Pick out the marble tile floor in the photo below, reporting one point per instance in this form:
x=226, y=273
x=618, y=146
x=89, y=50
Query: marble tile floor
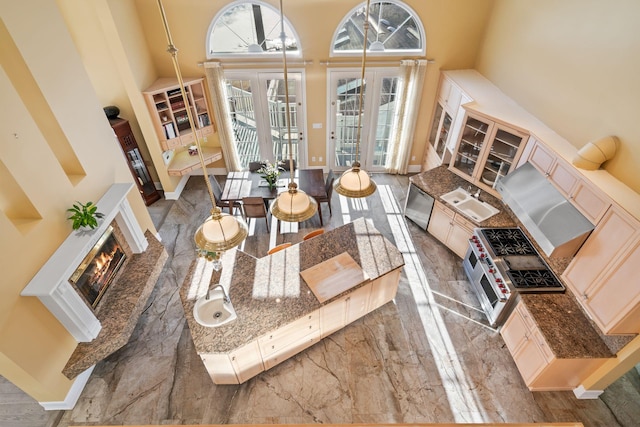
x=428, y=357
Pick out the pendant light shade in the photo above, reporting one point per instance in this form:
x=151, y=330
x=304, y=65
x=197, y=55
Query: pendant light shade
x=355, y=182
x=219, y=232
x=292, y=205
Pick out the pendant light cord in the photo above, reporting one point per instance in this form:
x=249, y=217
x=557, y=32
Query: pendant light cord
x=364, y=61
x=174, y=58
x=286, y=93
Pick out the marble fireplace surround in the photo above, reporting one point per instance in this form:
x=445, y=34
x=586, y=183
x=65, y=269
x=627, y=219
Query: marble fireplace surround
x=51, y=284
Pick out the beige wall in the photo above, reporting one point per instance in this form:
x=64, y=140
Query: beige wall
x=56, y=147
x=575, y=65
x=454, y=32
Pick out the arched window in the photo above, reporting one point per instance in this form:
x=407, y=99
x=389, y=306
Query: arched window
x=249, y=28
x=393, y=29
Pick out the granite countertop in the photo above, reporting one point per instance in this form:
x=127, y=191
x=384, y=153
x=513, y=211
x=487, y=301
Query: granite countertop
x=439, y=181
x=566, y=329
x=268, y=292
x=564, y=324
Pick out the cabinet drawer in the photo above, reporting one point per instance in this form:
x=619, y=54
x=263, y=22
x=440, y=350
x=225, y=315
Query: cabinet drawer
x=444, y=209
x=465, y=223
x=292, y=349
x=283, y=337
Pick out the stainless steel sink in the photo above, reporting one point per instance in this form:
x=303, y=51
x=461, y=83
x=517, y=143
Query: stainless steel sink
x=466, y=204
x=213, y=312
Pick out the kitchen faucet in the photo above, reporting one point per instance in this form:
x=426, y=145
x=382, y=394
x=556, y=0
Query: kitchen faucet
x=225, y=298
x=476, y=195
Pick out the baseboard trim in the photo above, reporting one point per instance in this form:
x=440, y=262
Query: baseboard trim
x=175, y=195
x=582, y=393
x=72, y=396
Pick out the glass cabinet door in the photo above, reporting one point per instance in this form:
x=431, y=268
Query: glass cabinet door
x=502, y=151
x=444, y=135
x=435, y=125
x=468, y=150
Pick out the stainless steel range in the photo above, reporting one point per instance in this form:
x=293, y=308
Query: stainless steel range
x=502, y=262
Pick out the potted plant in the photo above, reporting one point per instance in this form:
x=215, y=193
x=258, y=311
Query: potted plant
x=84, y=215
x=270, y=173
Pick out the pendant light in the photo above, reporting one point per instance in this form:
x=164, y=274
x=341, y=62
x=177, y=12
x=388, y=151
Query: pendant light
x=356, y=182
x=292, y=205
x=220, y=231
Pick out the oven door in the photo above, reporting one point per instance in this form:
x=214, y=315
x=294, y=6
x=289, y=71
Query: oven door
x=491, y=299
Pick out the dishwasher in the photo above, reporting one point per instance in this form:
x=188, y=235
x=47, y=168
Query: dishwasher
x=418, y=206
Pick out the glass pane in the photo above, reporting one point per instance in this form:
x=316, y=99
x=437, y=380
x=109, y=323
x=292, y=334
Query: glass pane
x=386, y=114
x=390, y=25
x=249, y=28
x=501, y=155
x=347, y=110
x=473, y=136
x=444, y=134
x=243, y=121
x=277, y=118
x=434, y=125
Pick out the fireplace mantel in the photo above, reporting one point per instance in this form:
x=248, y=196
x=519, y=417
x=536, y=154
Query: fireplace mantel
x=51, y=284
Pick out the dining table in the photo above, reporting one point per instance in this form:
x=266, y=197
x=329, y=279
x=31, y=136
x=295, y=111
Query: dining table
x=251, y=184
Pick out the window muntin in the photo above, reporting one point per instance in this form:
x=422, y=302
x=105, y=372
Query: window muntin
x=393, y=28
x=249, y=28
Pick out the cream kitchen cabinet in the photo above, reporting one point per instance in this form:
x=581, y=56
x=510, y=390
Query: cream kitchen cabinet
x=540, y=369
x=339, y=313
x=602, y=272
x=383, y=289
x=444, y=126
x=235, y=367
x=486, y=149
x=451, y=228
x=289, y=339
x=585, y=197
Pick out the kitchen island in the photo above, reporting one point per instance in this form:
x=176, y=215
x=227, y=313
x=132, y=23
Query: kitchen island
x=278, y=314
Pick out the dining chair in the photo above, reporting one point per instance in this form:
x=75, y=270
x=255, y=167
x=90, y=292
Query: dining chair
x=217, y=194
x=285, y=164
x=328, y=186
x=280, y=247
x=255, y=166
x=313, y=233
x=253, y=207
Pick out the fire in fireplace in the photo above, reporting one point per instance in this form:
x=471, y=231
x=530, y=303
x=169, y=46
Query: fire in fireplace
x=97, y=270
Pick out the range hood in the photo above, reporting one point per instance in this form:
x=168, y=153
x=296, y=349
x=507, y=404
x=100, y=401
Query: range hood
x=553, y=222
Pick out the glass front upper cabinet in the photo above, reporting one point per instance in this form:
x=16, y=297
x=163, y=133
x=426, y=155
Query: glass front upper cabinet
x=439, y=134
x=486, y=150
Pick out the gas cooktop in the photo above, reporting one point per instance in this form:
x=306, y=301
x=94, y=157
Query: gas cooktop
x=512, y=253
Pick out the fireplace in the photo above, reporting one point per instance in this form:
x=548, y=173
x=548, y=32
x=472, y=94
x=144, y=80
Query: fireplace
x=98, y=268
x=52, y=285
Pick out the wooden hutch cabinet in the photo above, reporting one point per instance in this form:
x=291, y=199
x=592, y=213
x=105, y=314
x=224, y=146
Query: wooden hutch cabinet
x=136, y=163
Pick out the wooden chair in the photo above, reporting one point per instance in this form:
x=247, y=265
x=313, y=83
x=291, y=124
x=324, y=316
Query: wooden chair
x=313, y=233
x=280, y=247
x=255, y=166
x=328, y=186
x=253, y=207
x=217, y=194
x=286, y=165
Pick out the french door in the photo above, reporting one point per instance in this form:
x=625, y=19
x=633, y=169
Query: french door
x=258, y=112
x=377, y=122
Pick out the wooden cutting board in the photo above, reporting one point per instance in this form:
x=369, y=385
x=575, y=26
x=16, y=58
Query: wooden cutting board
x=333, y=276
